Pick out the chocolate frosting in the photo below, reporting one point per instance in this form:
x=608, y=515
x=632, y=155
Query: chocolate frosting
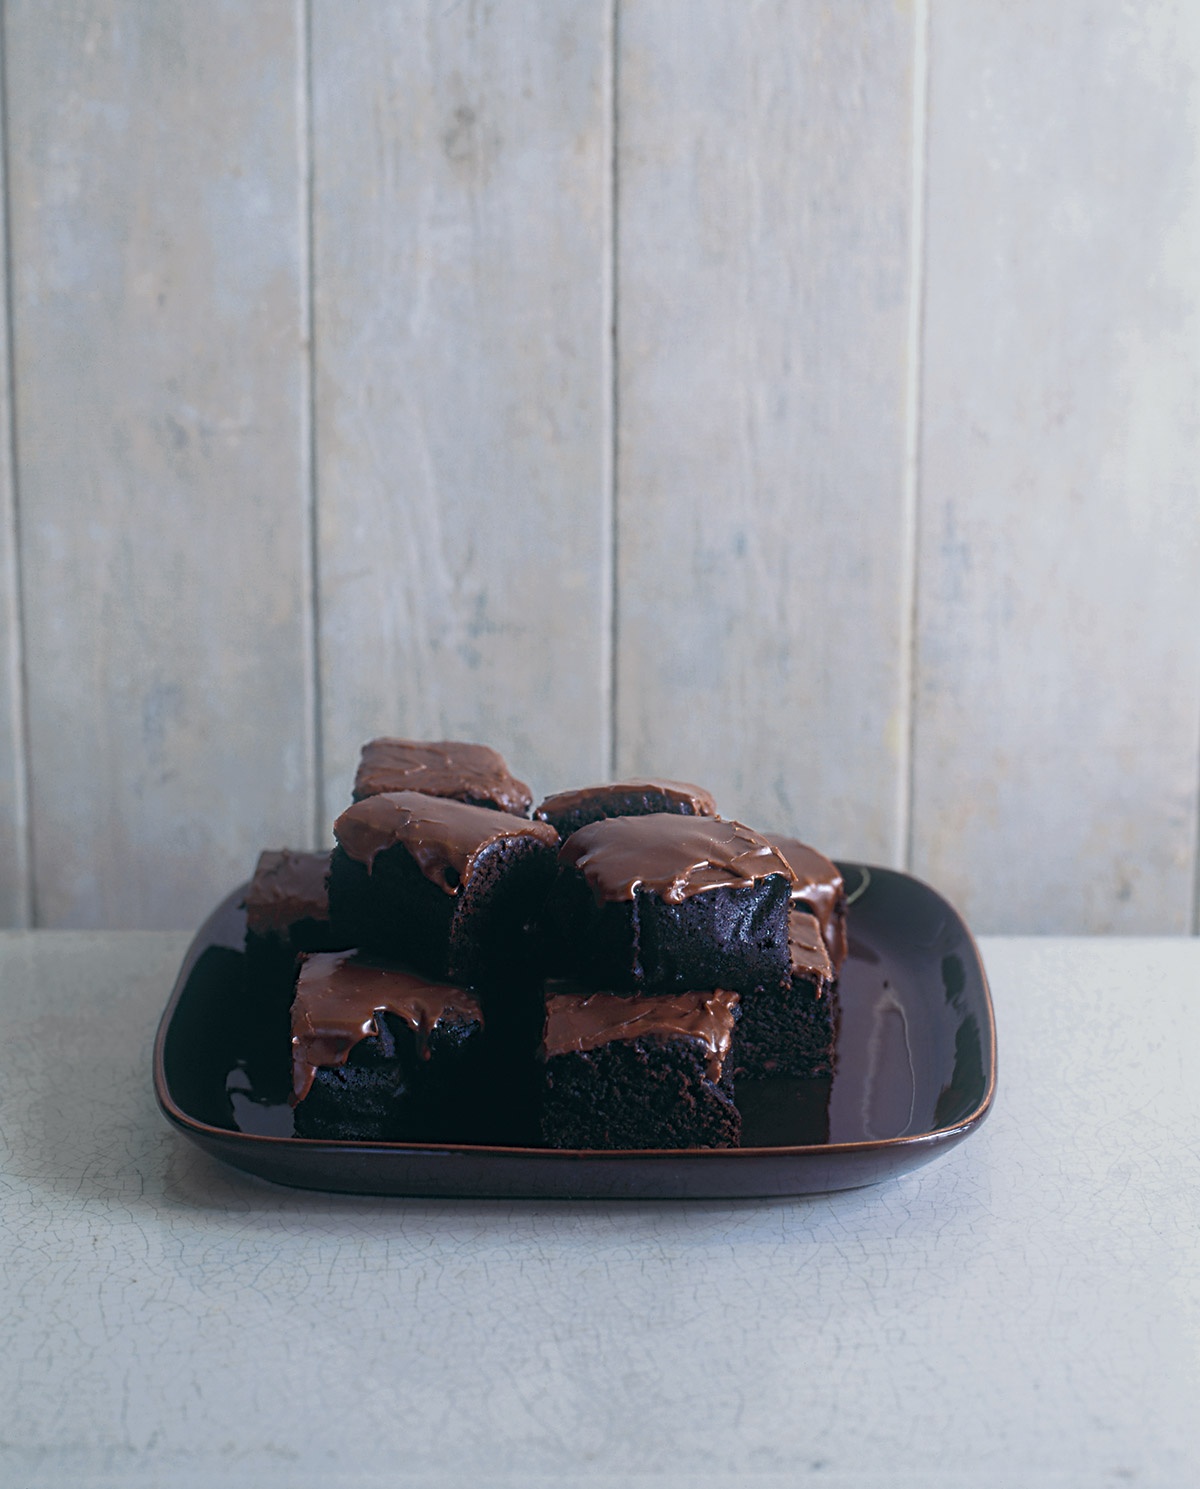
x=819, y=886
x=444, y=837
x=339, y=998
x=673, y=856
x=806, y=946
x=441, y=767
x=680, y=792
x=577, y=1022
x=286, y=887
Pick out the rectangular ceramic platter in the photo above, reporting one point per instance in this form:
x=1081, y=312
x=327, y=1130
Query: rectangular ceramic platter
x=914, y=1074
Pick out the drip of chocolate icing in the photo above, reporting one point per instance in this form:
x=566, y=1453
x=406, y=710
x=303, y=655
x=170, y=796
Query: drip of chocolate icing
x=672, y=856
x=819, y=886
x=806, y=946
x=444, y=837
x=578, y=1022
x=339, y=999
x=679, y=792
x=287, y=887
x=440, y=767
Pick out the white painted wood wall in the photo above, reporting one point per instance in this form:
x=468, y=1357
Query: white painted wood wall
x=802, y=399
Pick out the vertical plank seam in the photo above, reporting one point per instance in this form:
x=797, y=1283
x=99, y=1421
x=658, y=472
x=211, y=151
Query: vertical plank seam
x=612, y=310
x=911, y=500
x=316, y=751
x=17, y=654
x=1196, y=858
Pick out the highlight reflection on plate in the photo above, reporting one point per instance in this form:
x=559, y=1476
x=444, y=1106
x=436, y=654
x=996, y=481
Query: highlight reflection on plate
x=915, y=1074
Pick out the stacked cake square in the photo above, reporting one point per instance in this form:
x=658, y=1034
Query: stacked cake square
x=600, y=975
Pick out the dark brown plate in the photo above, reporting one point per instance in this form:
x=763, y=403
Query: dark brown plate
x=916, y=1072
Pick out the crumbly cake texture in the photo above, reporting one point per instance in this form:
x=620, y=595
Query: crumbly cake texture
x=287, y=912
x=819, y=889
x=791, y=1030
x=470, y=773
x=622, y=1072
x=666, y=904
x=445, y=886
x=382, y=1053
x=568, y=811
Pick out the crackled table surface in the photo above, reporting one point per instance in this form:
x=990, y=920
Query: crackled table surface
x=1024, y=1311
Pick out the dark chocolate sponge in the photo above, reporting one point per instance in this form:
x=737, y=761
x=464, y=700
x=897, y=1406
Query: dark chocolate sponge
x=444, y=767
x=443, y=885
x=668, y=904
x=568, y=811
x=638, y=1072
x=380, y=1053
x=791, y=1030
x=287, y=913
x=820, y=890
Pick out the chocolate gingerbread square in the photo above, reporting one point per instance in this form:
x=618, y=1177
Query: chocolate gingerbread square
x=568, y=811
x=447, y=887
x=472, y=773
x=792, y=1030
x=819, y=888
x=628, y=1072
x=382, y=1053
x=287, y=912
x=669, y=904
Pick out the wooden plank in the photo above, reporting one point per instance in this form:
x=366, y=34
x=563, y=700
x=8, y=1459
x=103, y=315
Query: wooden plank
x=15, y=886
x=763, y=288
x=462, y=196
x=1059, y=614
x=158, y=252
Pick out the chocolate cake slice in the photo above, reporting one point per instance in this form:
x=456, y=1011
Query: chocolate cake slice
x=381, y=1053
x=287, y=912
x=819, y=889
x=472, y=773
x=623, y=1072
x=791, y=1030
x=669, y=904
x=568, y=811
x=445, y=886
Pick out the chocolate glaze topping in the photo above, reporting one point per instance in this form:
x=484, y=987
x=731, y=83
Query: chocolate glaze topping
x=673, y=856
x=809, y=954
x=563, y=803
x=444, y=837
x=577, y=1022
x=442, y=767
x=339, y=998
x=287, y=887
x=819, y=886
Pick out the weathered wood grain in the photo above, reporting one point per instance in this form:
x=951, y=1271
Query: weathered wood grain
x=1059, y=582
x=762, y=282
x=15, y=886
x=156, y=181
x=462, y=198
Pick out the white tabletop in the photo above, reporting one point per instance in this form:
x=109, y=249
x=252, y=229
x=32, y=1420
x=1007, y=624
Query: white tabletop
x=1025, y=1311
